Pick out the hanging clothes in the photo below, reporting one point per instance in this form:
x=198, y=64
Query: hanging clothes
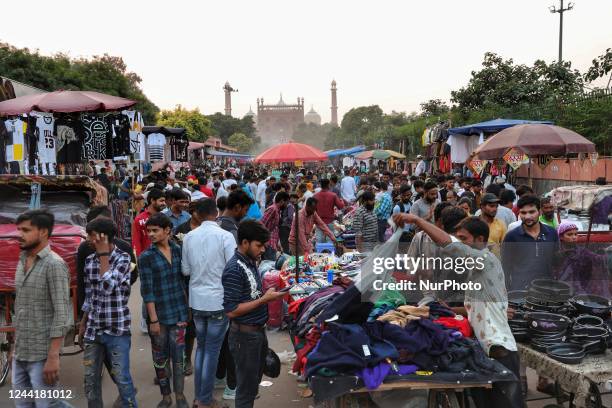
x=179, y=148
x=97, y=144
x=137, y=138
x=120, y=135
x=45, y=137
x=156, y=143
x=15, y=142
x=68, y=136
x=462, y=146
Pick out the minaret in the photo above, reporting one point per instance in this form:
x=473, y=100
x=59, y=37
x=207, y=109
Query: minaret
x=334, y=104
x=228, y=98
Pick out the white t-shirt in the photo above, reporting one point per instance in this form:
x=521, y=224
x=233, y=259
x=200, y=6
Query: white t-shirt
x=156, y=142
x=347, y=188
x=46, y=139
x=514, y=225
x=227, y=183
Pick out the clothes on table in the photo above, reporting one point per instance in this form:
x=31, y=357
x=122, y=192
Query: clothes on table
x=461, y=324
x=374, y=376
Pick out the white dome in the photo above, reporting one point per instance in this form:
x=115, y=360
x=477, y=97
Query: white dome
x=312, y=117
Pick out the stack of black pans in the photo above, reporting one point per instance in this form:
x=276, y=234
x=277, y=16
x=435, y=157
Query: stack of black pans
x=546, y=329
x=546, y=295
x=591, y=332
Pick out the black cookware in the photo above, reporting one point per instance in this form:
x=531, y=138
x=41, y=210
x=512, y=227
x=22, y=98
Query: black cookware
x=566, y=353
x=592, y=305
x=587, y=320
x=551, y=287
x=547, y=322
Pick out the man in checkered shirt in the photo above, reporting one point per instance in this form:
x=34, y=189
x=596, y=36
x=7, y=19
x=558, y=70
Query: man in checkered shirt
x=105, y=327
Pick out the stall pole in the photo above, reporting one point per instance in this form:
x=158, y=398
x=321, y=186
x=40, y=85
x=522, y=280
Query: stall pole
x=297, y=242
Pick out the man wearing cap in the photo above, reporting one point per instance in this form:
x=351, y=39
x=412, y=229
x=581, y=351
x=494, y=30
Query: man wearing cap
x=497, y=228
x=421, y=166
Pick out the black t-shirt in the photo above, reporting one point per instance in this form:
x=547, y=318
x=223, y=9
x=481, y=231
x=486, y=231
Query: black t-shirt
x=120, y=134
x=97, y=143
x=84, y=251
x=69, y=134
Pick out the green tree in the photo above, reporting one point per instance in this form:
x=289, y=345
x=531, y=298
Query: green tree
x=106, y=74
x=197, y=126
x=223, y=126
x=241, y=142
x=434, y=107
x=313, y=134
x=602, y=66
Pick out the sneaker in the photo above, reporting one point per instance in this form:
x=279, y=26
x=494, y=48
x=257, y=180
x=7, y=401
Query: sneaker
x=219, y=383
x=229, y=394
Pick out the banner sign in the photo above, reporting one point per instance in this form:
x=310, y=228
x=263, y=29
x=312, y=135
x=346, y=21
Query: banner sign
x=478, y=166
x=515, y=158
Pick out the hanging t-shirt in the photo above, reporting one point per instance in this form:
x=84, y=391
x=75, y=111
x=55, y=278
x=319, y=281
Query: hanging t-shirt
x=45, y=137
x=97, y=141
x=179, y=149
x=137, y=145
x=16, y=129
x=120, y=131
x=68, y=133
x=156, y=142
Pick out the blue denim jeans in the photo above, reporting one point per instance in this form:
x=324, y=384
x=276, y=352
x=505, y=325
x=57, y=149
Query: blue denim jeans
x=29, y=375
x=169, y=345
x=320, y=236
x=210, y=332
x=118, y=348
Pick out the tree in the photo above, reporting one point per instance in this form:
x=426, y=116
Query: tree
x=501, y=82
x=602, y=66
x=313, y=134
x=241, y=142
x=223, y=126
x=434, y=107
x=197, y=126
x=106, y=74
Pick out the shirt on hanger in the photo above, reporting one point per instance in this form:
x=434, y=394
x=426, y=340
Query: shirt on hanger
x=16, y=129
x=68, y=132
x=45, y=137
x=156, y=142
x=96, y=144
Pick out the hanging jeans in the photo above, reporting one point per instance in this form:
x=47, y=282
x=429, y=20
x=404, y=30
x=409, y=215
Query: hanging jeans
x=118, y=348
x=169, y=345
x=210, y=332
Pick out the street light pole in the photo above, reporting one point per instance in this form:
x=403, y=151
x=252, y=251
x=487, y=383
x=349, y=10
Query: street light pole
x=561, y=10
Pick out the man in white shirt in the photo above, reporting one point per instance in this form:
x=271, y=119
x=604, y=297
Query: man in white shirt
x=421, y=167
x=261, y=192
x=229, y=181
x=348, y=187
x=206, y=250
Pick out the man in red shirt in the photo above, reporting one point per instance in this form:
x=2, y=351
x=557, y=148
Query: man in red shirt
x=203, y=183
x=156, y=202
x=327, y=201
x=307, y=218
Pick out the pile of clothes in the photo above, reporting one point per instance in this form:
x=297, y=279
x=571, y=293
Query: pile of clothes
x=387, y=338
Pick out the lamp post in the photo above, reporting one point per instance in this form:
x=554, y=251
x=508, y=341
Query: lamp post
x=561, y=10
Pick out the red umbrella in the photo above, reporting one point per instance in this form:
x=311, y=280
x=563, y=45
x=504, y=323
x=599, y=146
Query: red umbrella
x=534, y=140
x=64, y=101
x=290, y=152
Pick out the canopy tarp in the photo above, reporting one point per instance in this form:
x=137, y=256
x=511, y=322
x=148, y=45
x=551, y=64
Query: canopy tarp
x=492, y=126
x=217, y=153
x=343, y=152
x=64, y=102
x=290, y=152
x=167, y=131
x=395, y=155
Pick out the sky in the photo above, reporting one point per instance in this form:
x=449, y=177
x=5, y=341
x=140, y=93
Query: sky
x=396, y=54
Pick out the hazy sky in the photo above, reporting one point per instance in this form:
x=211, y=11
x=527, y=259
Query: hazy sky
x=393, y=53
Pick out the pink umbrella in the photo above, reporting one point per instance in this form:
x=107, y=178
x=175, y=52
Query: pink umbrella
x=64, y=101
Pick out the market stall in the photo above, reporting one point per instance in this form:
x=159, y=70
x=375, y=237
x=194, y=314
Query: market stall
x=529, y=143
x=346, y=346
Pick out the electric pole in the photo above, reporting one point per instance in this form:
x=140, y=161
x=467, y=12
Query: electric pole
x=561, y=10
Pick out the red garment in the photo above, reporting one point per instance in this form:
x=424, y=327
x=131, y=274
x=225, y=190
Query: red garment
x=326, y=201
x=207, y=191
x=294, y=307
x=140, y=239
x=462, y=326
x=312, y=338
x=515, y=210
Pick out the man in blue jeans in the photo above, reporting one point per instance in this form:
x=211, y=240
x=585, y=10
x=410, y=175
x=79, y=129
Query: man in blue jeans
x=247, y=307
x=206, y=250
x=163, y=292
x=105, y=326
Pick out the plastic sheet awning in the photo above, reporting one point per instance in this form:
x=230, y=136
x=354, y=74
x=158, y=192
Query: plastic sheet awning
x=345, y=152
x=217, y=153
x=492, y=126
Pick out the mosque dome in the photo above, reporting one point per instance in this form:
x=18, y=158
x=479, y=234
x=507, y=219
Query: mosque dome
x=312, y=117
